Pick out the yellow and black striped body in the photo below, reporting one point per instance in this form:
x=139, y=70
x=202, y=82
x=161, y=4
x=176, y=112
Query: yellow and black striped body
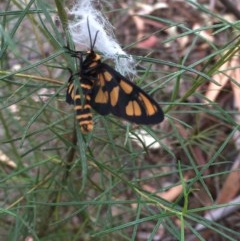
x=81, y=105
x=107, y=91
x=86, y=77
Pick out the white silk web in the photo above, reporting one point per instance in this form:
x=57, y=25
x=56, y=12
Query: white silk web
x=86, y=15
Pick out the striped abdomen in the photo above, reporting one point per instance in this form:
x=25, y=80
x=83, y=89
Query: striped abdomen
x=81, y=105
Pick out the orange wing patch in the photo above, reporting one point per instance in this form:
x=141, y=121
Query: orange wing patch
x=101, y=97
x=126, y=87
x=150, y=108
x=114, y=95
x=133, y=108
x=107, y=76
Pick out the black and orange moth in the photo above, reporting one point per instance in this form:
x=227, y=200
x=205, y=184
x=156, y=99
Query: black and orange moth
x=106, y=91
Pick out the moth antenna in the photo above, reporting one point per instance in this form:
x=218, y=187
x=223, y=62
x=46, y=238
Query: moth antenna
x=95, y=39
x=89, y=33
x=90, y=36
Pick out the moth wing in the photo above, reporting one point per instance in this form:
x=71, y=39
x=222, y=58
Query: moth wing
x=113, y=93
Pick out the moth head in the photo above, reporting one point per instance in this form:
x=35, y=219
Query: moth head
x=92, y=59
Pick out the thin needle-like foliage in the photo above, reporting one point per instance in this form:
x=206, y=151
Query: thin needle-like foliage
x=121, y=181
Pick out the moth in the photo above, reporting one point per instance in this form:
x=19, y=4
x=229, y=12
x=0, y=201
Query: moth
x=107, y=92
